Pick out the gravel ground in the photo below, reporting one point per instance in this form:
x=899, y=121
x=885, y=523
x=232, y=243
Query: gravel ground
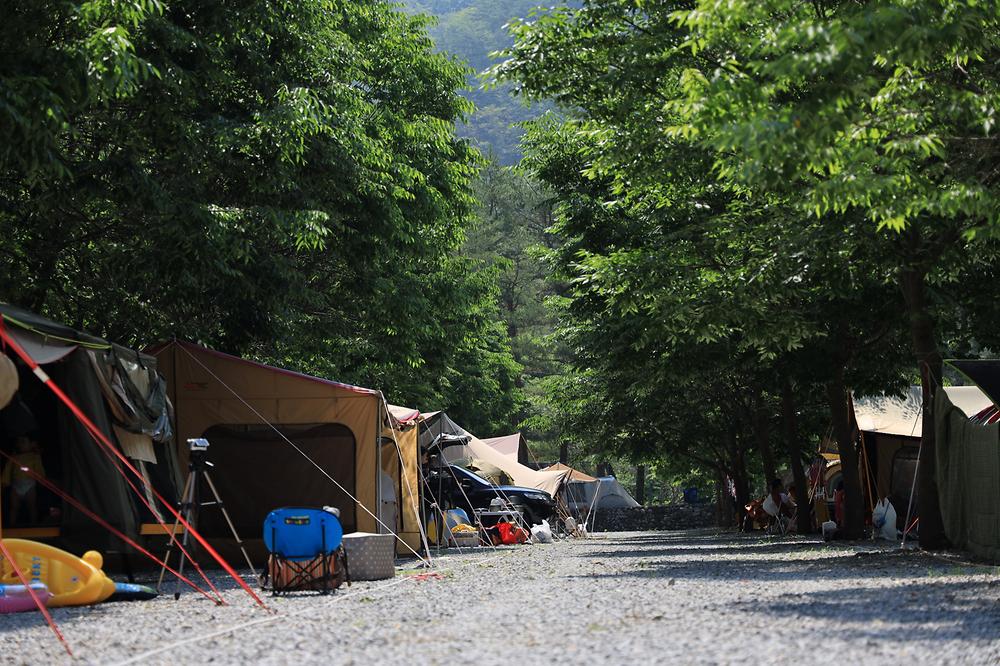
x=650, y=597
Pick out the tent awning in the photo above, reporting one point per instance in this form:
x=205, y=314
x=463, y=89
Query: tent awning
x=42, y=350
x=903, y=415
x=573, y=474
x=984, y=373
x=404, y=416
x=509, y=445
x=479, y=450
x=228, y=358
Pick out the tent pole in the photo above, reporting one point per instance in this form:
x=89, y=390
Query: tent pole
x=590, y=514
x=379, y=422
x=414, y=498
x=913, y=486
x=871, y=487
x=421, y=510
x=458, y=484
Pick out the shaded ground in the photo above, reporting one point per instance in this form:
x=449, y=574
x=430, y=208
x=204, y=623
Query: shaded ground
x=667, y=597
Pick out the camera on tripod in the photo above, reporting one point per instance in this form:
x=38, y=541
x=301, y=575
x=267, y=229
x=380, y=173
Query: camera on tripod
x=198, y=444
x=191, y=504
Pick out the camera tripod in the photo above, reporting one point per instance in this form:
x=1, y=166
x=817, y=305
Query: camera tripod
x=190, y=508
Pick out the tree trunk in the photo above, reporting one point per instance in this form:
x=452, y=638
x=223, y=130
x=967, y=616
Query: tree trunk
x=738, y=470
x=854, y=507
x=640, y=484
x=913, y=284
x=564, y=453
x=791, y=426
x=724, y=515
x=762, y=435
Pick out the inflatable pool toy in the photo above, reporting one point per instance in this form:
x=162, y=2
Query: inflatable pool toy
x=71, y=580
x=17, y=599
x=96, y=560
x=132, y=592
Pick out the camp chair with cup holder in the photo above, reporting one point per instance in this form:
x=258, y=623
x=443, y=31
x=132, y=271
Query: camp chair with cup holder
x=305, y=546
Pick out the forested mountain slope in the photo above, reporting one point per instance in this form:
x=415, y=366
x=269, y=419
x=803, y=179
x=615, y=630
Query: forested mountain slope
x=471, y=30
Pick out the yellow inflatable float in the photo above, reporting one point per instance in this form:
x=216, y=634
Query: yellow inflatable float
x=72, y=580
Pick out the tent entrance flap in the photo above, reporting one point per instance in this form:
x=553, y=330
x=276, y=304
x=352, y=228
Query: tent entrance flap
x=254, y=464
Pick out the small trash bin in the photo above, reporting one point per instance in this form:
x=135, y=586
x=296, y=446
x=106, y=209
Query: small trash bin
x=370, y=556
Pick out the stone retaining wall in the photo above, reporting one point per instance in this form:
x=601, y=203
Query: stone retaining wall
x=673, y=517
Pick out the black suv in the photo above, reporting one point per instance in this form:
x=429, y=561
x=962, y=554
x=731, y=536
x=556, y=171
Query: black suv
x=536, y=505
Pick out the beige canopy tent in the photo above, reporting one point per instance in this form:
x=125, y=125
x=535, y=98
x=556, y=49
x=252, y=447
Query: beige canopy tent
x=248, y=410
x=573, y=474
x=902, y=416
x=512, y=446
x=483, y=454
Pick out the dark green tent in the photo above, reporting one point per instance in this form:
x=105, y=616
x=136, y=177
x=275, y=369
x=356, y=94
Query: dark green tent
x=120, y=390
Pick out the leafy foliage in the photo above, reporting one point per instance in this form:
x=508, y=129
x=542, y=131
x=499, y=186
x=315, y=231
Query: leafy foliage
x=717, y=181
x=278, y=179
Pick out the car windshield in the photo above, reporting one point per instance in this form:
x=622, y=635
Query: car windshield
x=461, y=472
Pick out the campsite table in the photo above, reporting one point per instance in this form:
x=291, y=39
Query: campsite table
x=488, y=519
x=491, y=518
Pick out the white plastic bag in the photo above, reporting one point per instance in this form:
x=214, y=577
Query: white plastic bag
x=542, y=533
x=884, y=520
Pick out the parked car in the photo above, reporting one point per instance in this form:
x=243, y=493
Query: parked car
x=536, y=505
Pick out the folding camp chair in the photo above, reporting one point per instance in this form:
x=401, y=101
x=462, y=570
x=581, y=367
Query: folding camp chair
x=778, y=523
x=306, y=550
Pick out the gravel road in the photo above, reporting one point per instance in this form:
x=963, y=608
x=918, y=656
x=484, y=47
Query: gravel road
x=650, y=597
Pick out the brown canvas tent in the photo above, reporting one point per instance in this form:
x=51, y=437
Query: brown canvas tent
x=344, y=442
x=890, y=428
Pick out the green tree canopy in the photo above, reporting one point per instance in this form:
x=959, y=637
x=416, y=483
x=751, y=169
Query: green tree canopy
x=277, y=179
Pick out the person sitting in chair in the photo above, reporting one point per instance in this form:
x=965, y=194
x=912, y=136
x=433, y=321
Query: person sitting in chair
x=22, y=484
x=778, y=503
x=782, y=499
